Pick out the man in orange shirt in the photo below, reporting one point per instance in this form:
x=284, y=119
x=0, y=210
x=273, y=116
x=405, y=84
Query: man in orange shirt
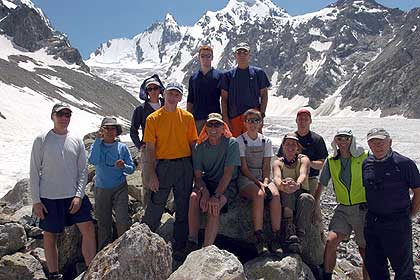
x=169, y=135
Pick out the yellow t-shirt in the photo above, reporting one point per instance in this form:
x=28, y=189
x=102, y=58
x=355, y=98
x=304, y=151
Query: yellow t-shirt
x=172, y=133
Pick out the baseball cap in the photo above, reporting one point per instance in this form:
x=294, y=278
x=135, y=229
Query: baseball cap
x=60, y=106
x=344, y=131
x=215, y=117
x=242, y=46
x=290, y=135
x=377, y=133
x=152, y=81
x=303, y=111
x=176, y=86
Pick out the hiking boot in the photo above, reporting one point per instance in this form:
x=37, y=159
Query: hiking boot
x=291, y=238
x=275, y=245
x=261, y=244
x=55, y=276
x=190, y=247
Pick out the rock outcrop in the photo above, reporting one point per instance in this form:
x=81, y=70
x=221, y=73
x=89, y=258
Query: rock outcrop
x=12, y=238
x=21, y=266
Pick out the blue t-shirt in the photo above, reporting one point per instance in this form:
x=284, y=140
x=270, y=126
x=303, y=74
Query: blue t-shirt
x=204, y=93
x=104, y=156
x=388, y=182
x=243, y=86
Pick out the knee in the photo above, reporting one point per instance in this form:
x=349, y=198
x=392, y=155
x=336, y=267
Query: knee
x=332, y=239
x=194, y=199
x=259, y=195
x=50, y=236
x=287, y=212
x=306, y=200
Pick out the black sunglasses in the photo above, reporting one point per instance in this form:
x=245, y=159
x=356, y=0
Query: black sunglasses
x=242, y=52
x=63, y=114
x=214, y=124
x=343, y=138
x=255, y=121
x=150, y=89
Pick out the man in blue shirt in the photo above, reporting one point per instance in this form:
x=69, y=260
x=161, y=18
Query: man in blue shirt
x=204, y=89
x=244, y=87
x=388, y=177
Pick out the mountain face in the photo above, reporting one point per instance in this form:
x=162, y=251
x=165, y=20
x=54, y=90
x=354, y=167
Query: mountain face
x=334, y=58
x=35, y=58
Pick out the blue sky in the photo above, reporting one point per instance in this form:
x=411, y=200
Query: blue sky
x=88, y=23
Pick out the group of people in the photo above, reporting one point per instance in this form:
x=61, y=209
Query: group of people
x=214, y=151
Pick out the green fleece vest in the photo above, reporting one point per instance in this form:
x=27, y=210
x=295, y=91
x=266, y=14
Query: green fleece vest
x=356, y=193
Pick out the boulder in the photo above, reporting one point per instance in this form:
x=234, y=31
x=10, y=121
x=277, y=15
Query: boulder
x=69, y=245
x=289, y=268
x=39, y=254
x=17, y=197
x=210, y=263
x=12, y=238
x=237, y=225
x=21, y=266
x=137, y=254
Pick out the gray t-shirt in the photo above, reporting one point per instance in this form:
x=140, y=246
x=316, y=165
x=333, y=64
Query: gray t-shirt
x=212, y=159
x=58, y=167
x=345, y=174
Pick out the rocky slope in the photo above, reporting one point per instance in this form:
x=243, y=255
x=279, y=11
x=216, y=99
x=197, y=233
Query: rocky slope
x=337, y=57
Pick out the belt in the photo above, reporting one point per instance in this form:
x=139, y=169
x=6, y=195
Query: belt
x=387, y=217
x=173, y=159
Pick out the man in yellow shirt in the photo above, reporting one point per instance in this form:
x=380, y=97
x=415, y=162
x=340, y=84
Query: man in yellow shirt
x=169, y=135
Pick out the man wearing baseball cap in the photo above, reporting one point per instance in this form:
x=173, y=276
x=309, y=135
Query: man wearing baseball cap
x=170, y=135
x=244, y=87
x=58, y=175
x=388, y=177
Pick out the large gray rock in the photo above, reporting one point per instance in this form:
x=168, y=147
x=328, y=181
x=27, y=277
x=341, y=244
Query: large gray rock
x=237, y=225
x=137, y=254
x=69, y=245
x=210, y=263
x=271, y=268
x=12, y=238
x=17, y=197
x=21, y=266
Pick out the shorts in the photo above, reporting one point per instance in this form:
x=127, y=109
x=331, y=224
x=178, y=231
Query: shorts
x=59, y=217
x=244, y=181
x=230, y=192
x=348, y=218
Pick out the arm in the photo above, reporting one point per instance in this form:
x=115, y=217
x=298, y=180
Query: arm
x=200, y=186
x=128, y=166
x=304, y=170
x=264, y=100
x=82, y=165
x=150, y=166
x=95, y=152
x=317, y=164
x=35, y=169
x=135, y=126
x=277, y=176
x=224, y=107
x=266, y=170
x=415, y=202
x=190, y=107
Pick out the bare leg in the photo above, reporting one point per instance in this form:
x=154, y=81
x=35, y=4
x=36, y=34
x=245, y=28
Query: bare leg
x=255, y=194
x=51, y=251
x=275, y=208
x=194, y=215
x=212, y=227
x=88, y=241
x=330, y=253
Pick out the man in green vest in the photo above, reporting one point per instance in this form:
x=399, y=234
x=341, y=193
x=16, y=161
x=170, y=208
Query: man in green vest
x=344, y=169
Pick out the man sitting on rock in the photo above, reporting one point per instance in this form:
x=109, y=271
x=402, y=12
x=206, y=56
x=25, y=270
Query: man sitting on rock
x=58, y=175
x=344, y=169
x=215, y=161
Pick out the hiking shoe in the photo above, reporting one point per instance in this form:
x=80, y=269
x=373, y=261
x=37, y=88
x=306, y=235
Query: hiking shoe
x=275, y=245
x=55, y=276
x=291, y=238
x=261, y=244
x=190, y=247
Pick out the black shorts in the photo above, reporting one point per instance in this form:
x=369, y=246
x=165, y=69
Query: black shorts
x=59, y=217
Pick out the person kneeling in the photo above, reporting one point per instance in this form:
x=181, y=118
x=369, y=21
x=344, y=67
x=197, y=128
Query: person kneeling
x=254, y=183
x=215, y=162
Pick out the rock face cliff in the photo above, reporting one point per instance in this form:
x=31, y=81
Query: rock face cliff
x=354, y=53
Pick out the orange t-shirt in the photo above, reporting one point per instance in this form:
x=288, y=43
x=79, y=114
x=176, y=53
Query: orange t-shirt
x=172, y=133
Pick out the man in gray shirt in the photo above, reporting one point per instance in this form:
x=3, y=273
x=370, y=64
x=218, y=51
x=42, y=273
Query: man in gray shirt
x=58, y=175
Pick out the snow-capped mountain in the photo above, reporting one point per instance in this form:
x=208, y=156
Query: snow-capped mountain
x=313, y=59
x=38, y=68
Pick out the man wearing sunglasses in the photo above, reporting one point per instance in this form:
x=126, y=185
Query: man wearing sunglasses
x=58, y=175
x=244, y=87
x=388, y=177
x=170, y=135
x=344, y=169
x=204, y=88
x=216, y=161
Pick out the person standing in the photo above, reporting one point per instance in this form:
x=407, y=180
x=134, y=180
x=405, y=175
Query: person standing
x=344, y=169
x=58, y=175
x=388, y=178
x=216, y=161
x=254, y=181
x=244, y=87
x=150, y=92
x=170, y=135
x=112, y=162
x=204, y=89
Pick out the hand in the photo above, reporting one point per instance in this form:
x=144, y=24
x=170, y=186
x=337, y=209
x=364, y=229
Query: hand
x=293, y=186
x=120, y=164
x=214, y=206
x=75, y=205
x=227, y=122
x=204, y=201
x=39, y=210
x=100, y=133
x=153, y=182
x=262, y=186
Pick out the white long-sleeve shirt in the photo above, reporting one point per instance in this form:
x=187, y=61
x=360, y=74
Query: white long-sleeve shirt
x=58, y=167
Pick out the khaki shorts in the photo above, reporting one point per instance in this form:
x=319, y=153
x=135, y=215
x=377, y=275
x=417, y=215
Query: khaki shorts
x=244, y=181
x=348, y=218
